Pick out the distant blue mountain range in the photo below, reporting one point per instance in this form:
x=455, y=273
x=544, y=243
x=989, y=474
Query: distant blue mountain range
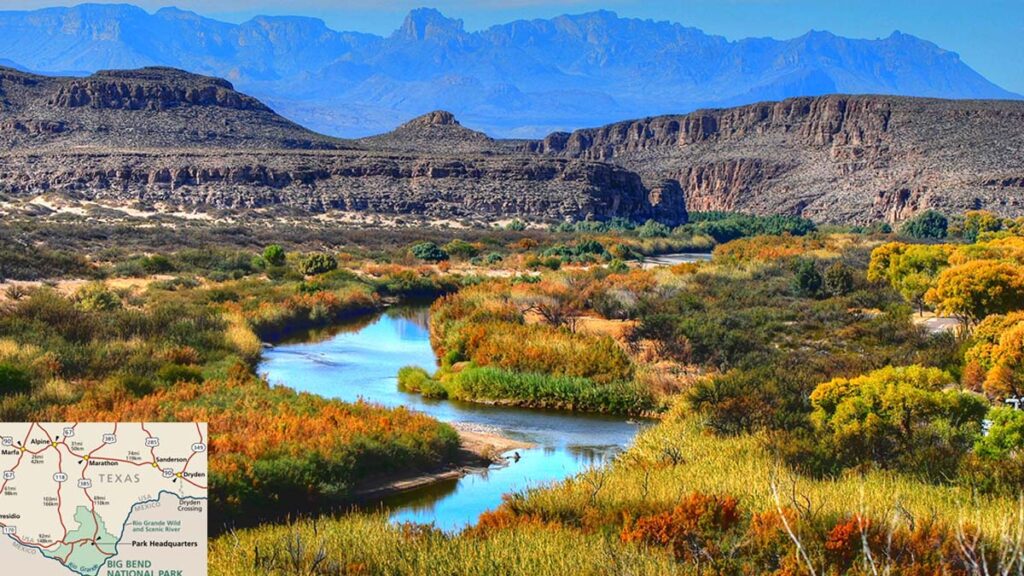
x=524, y=78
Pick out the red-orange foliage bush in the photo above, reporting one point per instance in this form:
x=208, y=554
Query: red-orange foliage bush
x=766, y=248
x=503, y=518
x=694, y=528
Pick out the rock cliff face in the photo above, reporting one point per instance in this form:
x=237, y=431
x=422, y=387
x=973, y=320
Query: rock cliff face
x=139, y=109
x=151, y=89
x=161, y=136
x=325, y=181
x=832, y=158
x=164, y=136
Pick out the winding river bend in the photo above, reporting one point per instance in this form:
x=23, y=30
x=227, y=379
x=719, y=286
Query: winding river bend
x=361, y=359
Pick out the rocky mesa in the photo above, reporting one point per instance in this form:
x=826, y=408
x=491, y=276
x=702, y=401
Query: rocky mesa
x=833, y=158
x=163, y=137
x=159, y=136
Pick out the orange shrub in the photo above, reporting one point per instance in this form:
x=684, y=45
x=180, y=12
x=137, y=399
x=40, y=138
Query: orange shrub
x=766, y=248
x=692, y=529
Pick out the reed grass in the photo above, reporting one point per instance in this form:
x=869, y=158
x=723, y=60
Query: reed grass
x=368, y=544
x=678, y=457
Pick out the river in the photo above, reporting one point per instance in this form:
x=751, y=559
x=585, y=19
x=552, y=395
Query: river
x=673, y=259
x=361, y=360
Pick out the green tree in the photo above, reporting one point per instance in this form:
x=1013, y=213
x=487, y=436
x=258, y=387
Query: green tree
x=808, y=280
x=838, y=279
x=911, y=269
x=1005, y=436
x=429, y=252
x=653, y=229
x=516, y=225
x=905, y=418
x=317, y=263
x=926, y=225
x=274, y=255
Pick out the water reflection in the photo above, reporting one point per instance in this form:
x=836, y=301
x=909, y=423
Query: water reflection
x=360, y=360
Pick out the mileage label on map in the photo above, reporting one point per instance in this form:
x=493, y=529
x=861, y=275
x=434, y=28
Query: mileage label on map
x=110, y=499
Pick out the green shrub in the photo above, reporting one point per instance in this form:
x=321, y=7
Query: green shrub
x=317, y=263
x=175, y=373
x=19, y=261
x=928, y=225
x=14, y=380
x=157, y=264
x=589, y=247
x=97, y=297
x=545, y=391
x=551, y=263
x=1005, y=436
x=429, y=252
x=460, y=249
x=15, y=408
x=808, y=280
x=274, y=255
x=653, y=229
x=138, y=386
x=130, y=269
x=417, y=380
x=617, y=266
x=413, y=379
x=837, y=280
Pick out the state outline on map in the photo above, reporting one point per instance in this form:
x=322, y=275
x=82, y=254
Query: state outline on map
x=109, y=459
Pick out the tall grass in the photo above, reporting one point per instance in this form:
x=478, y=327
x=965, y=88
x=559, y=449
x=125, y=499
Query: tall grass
x=360, y=544
x=537, y=390
x=241, y=337
x=655, y=511
x=483, y=325
x=678, y=456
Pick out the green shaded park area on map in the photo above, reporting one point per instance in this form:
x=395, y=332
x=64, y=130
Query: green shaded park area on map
x=85, y=557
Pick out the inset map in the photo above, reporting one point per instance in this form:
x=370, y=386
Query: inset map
x=103, y=498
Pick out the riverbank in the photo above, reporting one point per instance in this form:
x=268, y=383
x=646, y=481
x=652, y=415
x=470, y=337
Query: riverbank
x=480, y=448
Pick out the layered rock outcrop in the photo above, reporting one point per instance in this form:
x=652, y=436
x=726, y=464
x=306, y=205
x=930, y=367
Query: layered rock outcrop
x=322, y=181
x=158, y=89
x=164, y=136
x=847, y=159
x=161, y=136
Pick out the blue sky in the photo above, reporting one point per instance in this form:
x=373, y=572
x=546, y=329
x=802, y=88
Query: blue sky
x=988, y=34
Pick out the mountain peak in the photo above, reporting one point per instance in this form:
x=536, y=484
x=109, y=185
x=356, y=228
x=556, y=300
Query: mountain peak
x=603, y=15
x=427, y=24
x=435, y=118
